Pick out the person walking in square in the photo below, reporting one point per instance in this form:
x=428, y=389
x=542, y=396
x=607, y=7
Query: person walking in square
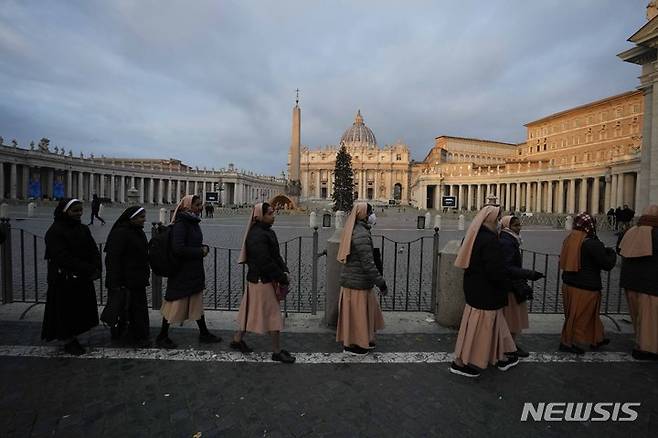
x=516, y=310
x=74, y=262
x=639, y=278
x=95, y=210
x=484, y=337
x=582, y=258
x=128, y=272
x=259, y=309
x=184, y=297
x=359, y=314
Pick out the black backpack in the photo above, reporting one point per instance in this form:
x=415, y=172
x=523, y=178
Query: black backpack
x=161, y=258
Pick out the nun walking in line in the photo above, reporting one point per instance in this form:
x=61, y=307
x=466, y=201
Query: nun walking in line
x=259, y=309
x=184, y=297
x=359, y=314
x=639, y=277
x=128, y=272
x=516, y=310
x=582, y=258
x=74, y=263
x=484, y=337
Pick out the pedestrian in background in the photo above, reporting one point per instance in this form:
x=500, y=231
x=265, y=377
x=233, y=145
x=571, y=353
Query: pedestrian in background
x=184, y=297
x=128, y=272
x=516, y=310
x=484, y=337
x=582, y=258
x=95, y=210
x=359, y=314
x=73, y=264
x=259, y=309
x=639, y=277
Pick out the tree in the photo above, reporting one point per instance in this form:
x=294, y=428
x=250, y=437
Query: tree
x=343, y=195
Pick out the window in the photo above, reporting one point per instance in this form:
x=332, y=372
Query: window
x=398, y=157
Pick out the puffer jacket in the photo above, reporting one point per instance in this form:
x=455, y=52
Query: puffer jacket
x=360, y=271
x=640, y=274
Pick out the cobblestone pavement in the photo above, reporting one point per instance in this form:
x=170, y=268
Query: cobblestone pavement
x=72, y=397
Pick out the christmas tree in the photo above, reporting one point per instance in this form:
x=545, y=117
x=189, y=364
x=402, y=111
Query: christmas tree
x=343, y=195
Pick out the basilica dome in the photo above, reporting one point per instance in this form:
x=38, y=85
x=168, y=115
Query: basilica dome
x=358, y=135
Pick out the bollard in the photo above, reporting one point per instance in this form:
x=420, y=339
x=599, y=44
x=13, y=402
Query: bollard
x=568, y=223
x=313, y=220
x=333, y=269
x=30, y=209
x=101, y=209
x=4, y=210
x=163, y=216
x=437, y=222
x=460, y=223
x=435, y=267
x=314, y=274
x=428, y=218
x=6, y=262
x=156, y=280
x=450, y=290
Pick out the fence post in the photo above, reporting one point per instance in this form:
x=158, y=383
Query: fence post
x=314, y=278
x=435, y=267
x=6, y=263
x=156, y=280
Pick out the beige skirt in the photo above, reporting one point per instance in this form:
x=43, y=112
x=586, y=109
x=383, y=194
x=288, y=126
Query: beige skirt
x=483, y=337
x=644, y=314
x=516, y=315
x=259, y=309
x=582, y=324
x=359, y=316
x=186, y=309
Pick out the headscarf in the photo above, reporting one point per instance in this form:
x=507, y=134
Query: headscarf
x=638, y=240
x=584, y=226
x=185, y=204
x=63, y=206
x=359, y=213
x=487, y=213
x=505, y=222
x=123, y=219
x=256, y=216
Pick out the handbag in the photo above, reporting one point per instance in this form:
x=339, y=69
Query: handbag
x=280, y=290
x=522, y=290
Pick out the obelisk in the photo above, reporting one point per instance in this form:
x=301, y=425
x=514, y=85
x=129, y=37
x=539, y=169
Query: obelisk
x=294, y=184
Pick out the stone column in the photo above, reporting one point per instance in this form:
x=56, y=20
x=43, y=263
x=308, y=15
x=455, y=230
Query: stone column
x=2, y=180
x=613, y=192
x=571, y=208
x=460, y=198
x=113, y=188
x=469, y=199
x=169, y=183
x=560, y=196
x=620, y=190
x=528, y=196
x=91, y=185
x=141, y=181
x=101, y=186
x=549, y=196
x=13, y=181
x=160, y=191
x=540, y=207
x=596, y=189
x=582, y=204
x=50, y=182
x=151, y=191
x=629, y=190
x=81, y=186
x=508, y=196
x=478, y=196
x=606, y=195
x=517, y=195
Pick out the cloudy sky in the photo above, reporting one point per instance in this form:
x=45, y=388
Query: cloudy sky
x=212, y=82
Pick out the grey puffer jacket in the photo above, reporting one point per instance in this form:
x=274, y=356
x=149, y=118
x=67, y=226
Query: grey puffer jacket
x=360, y=272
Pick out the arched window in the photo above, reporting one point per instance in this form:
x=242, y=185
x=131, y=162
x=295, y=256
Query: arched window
x=397, y=191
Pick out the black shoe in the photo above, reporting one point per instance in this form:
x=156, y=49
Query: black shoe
x=209, y=338
x=464, y=370
x=165, y=343
x=241, y=346
x=74, y=348
x=643, y=355
x=598, y=345
x=571, y=349
x=355, y=350
x=512, y=361
x=283, y=356
x=371, y=346
x=520, y=352
x=115, y=332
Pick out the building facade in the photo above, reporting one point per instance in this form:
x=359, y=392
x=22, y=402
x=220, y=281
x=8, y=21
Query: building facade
x=44, y=173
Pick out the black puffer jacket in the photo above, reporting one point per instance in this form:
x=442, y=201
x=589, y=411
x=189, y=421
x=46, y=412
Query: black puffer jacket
x=360, y=271
x=126, y=261
x=485, y=279
x=512, y=259
x=263, y=257
x=594, y=257
x=641, y=274
x=187, y=247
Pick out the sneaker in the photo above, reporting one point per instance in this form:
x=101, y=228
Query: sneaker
x=512, y=361
x=165, y=343
x=465, y=371
x=283, y=356
x=520, y=352
x=241, y=346
x=571, y=349
x=209, y=338
x=355, y=350
x=598, y=345
x=74, y=348
x=643, y=355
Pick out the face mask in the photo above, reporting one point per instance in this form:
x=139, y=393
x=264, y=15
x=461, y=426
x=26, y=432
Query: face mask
x=372, y=219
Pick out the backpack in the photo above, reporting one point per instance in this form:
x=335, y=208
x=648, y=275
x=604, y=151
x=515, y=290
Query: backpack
x=161, y=258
